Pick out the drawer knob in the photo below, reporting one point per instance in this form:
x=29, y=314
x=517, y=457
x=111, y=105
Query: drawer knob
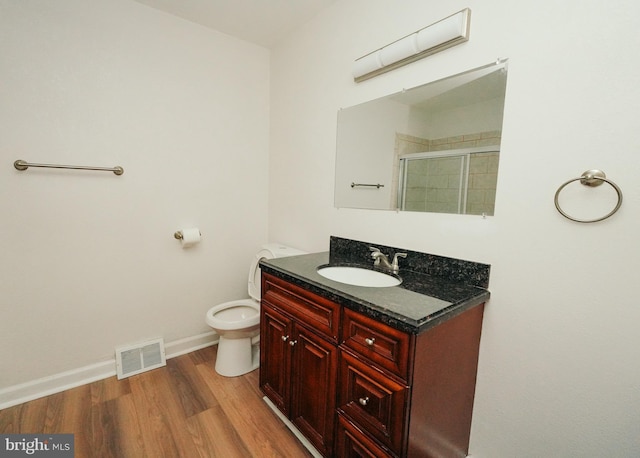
x=364, y=401
x=293, y=342
x=285, y=338
x=370, y=341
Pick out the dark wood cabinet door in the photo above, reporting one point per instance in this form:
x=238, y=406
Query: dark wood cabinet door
x=275, y=356
x=314, y=373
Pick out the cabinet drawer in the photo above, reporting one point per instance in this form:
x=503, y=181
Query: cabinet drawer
x=353, y=443
x=378, y=342
x=319, y=314
x=372, y=400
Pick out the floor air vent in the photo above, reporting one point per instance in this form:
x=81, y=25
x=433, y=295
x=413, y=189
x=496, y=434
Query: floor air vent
x=141, y=357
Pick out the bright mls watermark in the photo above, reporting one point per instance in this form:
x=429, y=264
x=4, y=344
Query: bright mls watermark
x=36, y=445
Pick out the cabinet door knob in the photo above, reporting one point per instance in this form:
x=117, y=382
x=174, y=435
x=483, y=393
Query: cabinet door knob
x=285, y=338
x=293, y=342
x=370, y=341
x=364, y=401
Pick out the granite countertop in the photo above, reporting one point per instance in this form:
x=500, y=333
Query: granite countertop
x=420, y=302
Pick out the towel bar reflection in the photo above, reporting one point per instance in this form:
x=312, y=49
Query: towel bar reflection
x=24, y=165
x=365, y=185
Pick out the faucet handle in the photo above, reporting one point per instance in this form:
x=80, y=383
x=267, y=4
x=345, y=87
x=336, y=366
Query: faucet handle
x=394, y=265
x=375, y=253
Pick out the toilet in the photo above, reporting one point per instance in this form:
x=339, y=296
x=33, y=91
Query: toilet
x=238, y=322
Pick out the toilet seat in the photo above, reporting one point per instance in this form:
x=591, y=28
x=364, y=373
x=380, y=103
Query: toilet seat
x=268, y=251
x=255, y=278
x=234, y=315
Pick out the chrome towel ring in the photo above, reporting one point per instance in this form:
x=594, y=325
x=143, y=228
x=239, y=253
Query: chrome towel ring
x=591, y=178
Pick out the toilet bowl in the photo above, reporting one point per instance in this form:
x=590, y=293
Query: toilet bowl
x=238, y=322
x=238, y=325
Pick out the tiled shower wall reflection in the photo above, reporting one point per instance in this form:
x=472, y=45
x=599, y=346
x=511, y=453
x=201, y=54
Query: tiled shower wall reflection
x=441, y=179
x=483, y=177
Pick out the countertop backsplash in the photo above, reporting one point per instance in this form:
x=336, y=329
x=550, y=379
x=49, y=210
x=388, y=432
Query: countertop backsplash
x=347, y=251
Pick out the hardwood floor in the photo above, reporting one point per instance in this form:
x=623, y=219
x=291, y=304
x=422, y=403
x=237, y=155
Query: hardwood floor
x=182, y=410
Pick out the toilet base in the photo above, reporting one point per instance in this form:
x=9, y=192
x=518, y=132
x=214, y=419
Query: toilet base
x=237, y=356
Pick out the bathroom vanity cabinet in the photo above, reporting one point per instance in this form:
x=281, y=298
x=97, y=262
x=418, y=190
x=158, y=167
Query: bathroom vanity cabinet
x=356, y=386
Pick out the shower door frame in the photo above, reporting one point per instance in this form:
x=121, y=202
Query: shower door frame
x=463, y=153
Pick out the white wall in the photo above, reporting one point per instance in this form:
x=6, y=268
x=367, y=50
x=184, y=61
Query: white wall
x=88, y=258
x=559, y=373
x=367, y=134
x=478, y=117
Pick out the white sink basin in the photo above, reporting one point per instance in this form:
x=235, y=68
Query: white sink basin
x=358, y=277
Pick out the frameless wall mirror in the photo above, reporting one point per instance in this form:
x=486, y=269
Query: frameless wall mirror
x=433, y=148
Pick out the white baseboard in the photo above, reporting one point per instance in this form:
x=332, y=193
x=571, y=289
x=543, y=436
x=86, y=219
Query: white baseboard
x=34, y=389
x=28, y=391
x=189, y=344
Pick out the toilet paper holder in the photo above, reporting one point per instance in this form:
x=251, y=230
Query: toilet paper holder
x=178, y=235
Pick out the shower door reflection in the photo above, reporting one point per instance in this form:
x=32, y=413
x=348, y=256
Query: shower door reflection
x=457, y=181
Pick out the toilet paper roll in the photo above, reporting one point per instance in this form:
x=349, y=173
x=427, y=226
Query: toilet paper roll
x=190, y=237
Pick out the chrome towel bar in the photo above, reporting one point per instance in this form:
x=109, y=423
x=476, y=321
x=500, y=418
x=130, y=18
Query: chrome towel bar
x=364, y=185
x=24, y=165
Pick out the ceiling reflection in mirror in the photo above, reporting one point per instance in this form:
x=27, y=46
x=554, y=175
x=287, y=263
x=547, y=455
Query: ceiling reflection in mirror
x=433, y=148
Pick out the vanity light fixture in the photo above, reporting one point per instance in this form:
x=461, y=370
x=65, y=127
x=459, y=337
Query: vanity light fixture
x=434, y=38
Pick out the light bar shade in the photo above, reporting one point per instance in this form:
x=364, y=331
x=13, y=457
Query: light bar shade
x=434, y=38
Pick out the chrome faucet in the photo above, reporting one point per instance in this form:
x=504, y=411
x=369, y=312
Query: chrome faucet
x=381, y=259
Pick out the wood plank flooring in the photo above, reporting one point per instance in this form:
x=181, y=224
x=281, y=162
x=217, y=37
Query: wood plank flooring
x=182, y=410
